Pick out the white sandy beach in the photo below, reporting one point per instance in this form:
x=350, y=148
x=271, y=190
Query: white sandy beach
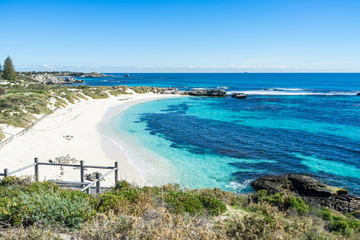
x=81, y=120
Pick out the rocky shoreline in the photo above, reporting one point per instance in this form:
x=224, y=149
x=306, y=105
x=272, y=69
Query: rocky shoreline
x=201, y=93
x=311, y=190
x=49, y=79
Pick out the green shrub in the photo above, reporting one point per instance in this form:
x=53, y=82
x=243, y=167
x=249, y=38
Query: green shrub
x=25, y=203
x=183, y=202
x=262, y=193
x=296, y=203
x=325, y=213
x=341, y=226
x=284, y=201
x=276, y=199
x=52, y=209
x=214, y=206
x=128, y=200
x=14, y=181
x=108, y=201
x=122, y=185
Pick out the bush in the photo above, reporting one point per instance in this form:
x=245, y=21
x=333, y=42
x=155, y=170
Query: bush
x=133, y=201
x=341, y=226
x=325, y=214
x=181, y=202
x=26, y=203
x=338, y=223
x=213, y=205
x=284, y=202
x=296, y=203
x=52, y=209
x=108, y=201
x=122, y=185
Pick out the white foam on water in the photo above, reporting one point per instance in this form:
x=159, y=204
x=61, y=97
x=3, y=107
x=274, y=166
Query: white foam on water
x=292, y=93
x=284, y=89
x=239, y=187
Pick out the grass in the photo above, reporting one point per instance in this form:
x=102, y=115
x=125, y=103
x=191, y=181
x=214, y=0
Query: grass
x=42, y=210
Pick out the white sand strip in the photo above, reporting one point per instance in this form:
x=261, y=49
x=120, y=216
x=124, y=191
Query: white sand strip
x=81, y=120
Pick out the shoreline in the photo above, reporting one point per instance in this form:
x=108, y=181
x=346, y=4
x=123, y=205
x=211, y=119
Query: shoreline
x=84, y=121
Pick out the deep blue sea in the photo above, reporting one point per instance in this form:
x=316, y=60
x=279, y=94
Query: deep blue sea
x=290, y=123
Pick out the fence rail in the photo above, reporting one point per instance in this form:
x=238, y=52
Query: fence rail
x=112, y=169
x=25, y=130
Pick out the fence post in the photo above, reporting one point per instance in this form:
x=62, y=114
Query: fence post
x=81, y=170
x=6, y=172
x=116, y=172
x=36, y=169
x=98, y=183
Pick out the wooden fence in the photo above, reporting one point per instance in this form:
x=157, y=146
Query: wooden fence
x=25, y=130
x=84, y=186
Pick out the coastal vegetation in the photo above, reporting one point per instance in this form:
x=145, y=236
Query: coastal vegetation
x=23, y=100
x=43, y=210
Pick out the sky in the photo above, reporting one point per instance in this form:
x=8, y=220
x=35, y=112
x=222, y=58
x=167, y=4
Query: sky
x=182, y=36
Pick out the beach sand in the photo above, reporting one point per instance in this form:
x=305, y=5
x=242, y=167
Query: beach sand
x=82, y=121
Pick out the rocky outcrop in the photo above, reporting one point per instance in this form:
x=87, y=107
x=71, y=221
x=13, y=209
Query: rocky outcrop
x=239, y=95
x=72, y=80
x=167, y=91
x=311, y=190
x=93, y=75
x=358, y=94
x=50, y=79
x=47, y=79
x=206, y=92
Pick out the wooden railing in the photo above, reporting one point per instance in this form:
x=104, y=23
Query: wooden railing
x=84, y=186
x=22, y=132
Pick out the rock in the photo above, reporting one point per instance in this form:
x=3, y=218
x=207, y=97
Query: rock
x=92, y=176
x=207, y=92
x=68, y=137
x=94, y=75
x=167, y=90
x=50, y=79
x=358, y=94
x=63, y=159
x=239, y=95
x=127, y=75
x=47, y=79
x=72, y=80
x=311, y=190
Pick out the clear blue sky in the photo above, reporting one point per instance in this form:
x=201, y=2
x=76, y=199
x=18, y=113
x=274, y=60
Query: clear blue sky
x=182, y=36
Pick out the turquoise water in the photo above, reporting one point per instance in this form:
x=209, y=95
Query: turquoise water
x=290, y=123
x=227, y=143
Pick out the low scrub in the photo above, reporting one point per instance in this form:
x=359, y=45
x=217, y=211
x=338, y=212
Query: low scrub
x=43, y=210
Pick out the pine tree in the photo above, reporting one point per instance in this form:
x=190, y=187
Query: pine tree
x=9, y=71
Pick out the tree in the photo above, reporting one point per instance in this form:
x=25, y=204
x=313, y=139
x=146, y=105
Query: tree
x=0, y=71
x=9, y=71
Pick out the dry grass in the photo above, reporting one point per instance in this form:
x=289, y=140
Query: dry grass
x=131, y=212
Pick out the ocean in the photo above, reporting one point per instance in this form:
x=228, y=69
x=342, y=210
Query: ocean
x=290, y=123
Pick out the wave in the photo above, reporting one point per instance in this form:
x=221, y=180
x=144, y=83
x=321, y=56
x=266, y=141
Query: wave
x=293, y=92
x=240, y=187
x=283, y=89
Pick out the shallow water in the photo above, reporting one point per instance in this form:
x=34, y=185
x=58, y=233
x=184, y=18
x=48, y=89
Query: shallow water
x=227, y=142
